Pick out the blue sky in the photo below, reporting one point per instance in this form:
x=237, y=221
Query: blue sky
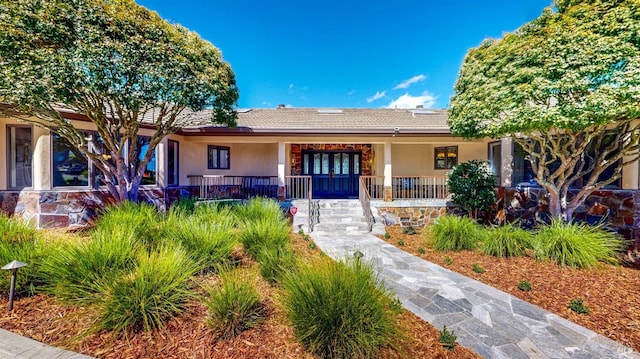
x=332, y=53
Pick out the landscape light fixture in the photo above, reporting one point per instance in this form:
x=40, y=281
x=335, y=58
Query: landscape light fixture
x=13, y=267
x=358, y=255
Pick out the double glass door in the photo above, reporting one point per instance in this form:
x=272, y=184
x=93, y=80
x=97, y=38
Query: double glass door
x=334, y=174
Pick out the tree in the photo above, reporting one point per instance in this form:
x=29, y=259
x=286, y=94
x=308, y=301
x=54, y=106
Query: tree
x=566, y=87
x=472, y=187
x=116, y=63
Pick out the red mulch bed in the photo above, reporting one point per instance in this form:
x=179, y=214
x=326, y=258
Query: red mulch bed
x=42, y=318
x=612, y=293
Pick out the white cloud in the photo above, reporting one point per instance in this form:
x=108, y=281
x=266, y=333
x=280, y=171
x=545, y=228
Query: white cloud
x=427, y=100
x=351, y=92
x=377, y=96
x=291, y=86
x=406, y=83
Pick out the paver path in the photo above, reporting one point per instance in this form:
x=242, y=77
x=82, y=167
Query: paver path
x=491, y=322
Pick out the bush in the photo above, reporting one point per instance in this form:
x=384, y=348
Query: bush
x=447, y=338
x=258, y=234
x=259, y=209
x=75, y=272
x=472, y=187
x=576, y=245
x=477, y=268
x=207, y=234
x=524, y=286
x=340, y=310
x=275, y=262
x=507, y=241
x=19, y=241
x=453, y=233
x=128, y=218
x=153, y=292
x=233, y=307
x=577, y=305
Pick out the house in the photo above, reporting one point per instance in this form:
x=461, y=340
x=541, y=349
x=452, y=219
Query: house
x=281, y=152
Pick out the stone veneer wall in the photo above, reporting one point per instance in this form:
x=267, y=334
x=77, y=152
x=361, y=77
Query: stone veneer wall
x=623, y=207
x=366, y=150
x=417, y=217
x=73, y=208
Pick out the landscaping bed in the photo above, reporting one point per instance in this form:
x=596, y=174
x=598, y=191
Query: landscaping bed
x=611, y=293
x=186, y=333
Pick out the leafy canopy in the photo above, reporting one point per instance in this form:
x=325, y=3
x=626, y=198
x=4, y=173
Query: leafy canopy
x=118, y=64
x=575, y=66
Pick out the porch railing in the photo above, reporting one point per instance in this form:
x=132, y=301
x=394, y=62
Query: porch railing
x=419, y=187
x=298, y=187
x=365, y=202
x=407, y=187
x=235, y=187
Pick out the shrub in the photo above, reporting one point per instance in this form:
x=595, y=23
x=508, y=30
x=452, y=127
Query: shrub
x=477, y=268
x=524, y=286
x=447, y=338
x=448, y=261
x=400, y=242
x=75, y=272
x=264, y=233
x=340, y=310
x=259, y=209
x=19, y=241
x=128, y=218
x=153, y=292
x=577, y=305
x=395, y=305
x=472, y=187
x=275, y=262
x=506, y=241
x=455, y=233
x=576, y=245
x=387, y=235
x=207, y=234
x=421, y=250
x=234, y=306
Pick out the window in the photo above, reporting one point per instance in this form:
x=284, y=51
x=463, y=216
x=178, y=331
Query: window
x=172, y=163
x=218, y=157
x=522, y=172
x=495, y=160
x=149, y=174
x=70, y=166
x=446, y=157
x=20, y=155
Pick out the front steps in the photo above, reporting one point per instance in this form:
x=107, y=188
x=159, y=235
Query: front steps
x=336, y=215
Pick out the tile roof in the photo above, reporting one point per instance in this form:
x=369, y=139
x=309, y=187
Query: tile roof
x=335, y=120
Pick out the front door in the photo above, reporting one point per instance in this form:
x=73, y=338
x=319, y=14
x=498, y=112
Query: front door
x=334, y=174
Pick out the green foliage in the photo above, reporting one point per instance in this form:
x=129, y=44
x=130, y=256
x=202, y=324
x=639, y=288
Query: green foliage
x=524, y=286
x=448, y=261
x=576, y=245
x=207, y=234
x=139, y=220
x=156, y=289
x=421, y=250
x=400, y=242
x=567, y=81
x=472, y=187
x=275, y=262
x=234, y=306
x=477, y=268
x=409, y=230
x=259, y=209
x=577, y=305
x=507, y=241
x=21, y=242
x=76, y=272
x=109, y=59
x=264, y=233
x=387, y=235
x=312, y=246
x=340, y=310
x=301, y=232
x=395, y=305
x=447, y=338
x=453, y=233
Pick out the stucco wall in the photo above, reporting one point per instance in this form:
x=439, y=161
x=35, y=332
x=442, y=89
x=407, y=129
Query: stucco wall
x=418, y=159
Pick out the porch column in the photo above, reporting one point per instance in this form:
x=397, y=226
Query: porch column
x=387, y=193
x=281, y=171
x=41, y=161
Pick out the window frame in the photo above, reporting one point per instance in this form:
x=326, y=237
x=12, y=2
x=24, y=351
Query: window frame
x=218, y=150
x=446, y=150
x=175, y=179
x=9, y=159
x=90, y=167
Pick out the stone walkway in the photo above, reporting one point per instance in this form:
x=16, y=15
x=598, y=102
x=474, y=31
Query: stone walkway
x=15, y=346
x=491, y=322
